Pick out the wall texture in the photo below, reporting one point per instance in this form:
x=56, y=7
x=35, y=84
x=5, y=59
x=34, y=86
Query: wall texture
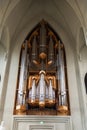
x=68, y=19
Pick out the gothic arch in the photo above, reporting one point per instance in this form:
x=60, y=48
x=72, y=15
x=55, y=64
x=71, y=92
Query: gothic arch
x=60, y=18
x=42, y=78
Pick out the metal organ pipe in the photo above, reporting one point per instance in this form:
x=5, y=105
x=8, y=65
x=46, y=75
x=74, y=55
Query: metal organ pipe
x=22, y=79
x=42, y=89
x=34, y=50
x=51, y=51
x=41, y=66
x=22, y=70
x=50, y=92
x=54, y=96
x=32, y=86
x=46, y=94
x=62, y=80
x=33, y=92
x=29, y=95
x=58, y=78
x=42, y=47
x=37, y=94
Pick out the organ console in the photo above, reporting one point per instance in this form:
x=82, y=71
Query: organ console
x=42, y=74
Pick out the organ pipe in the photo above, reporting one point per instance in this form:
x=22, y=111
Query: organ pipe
x=37, y=94
x=34, y=50
x=46, y=94
x=29, y=95
x=41, y=65
x=50, y=51
x=22, y=79
x=32, y=86
x=22, y=70
x=62, y=80
x=54, y=96
x=33, y=92
x=51, y=101
x=42, y=46
x=42, y=89
x=52, y=89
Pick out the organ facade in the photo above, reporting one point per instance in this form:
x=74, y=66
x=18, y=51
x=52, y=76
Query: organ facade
x=42, y=87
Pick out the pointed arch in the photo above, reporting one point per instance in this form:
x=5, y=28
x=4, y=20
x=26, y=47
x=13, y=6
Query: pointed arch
x=42, y=77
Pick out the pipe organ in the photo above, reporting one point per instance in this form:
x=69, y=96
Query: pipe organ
x=42, y=80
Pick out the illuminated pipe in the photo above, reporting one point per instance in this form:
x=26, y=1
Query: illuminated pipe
x=42, y=89
x=21, y=102
x=58, y=79
x=30, y=89
x=33, y=86
x=33, y=92
x=50, y=92
x=52, y=88
x=23, y=67
x=62, y=83
x=21, y=95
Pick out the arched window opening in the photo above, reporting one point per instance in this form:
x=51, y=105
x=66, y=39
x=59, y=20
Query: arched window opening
x=42, y=78
x=86, y=82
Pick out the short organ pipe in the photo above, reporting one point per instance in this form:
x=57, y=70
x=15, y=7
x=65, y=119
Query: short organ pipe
x=50, y=92
x=42, y=89
x=33, y=92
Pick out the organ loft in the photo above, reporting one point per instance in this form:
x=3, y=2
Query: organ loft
x=42, y=87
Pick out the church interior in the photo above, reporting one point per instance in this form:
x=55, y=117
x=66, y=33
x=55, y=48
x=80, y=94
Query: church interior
x=43, y=65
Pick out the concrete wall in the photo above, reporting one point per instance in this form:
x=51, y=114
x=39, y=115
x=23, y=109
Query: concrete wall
x=13, y=33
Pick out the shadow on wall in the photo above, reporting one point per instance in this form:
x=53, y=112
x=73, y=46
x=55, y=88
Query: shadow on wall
x=86, y=82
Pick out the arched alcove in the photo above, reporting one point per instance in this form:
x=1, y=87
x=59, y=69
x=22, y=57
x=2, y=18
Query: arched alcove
x=42, y=87
x=63, y=19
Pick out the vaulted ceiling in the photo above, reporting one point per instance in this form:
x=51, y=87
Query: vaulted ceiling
x=20, y=16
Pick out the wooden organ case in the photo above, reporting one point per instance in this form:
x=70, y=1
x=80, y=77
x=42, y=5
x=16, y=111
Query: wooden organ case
x=42, y=79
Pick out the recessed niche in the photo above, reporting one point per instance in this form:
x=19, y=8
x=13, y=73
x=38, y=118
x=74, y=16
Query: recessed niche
x=86, y=82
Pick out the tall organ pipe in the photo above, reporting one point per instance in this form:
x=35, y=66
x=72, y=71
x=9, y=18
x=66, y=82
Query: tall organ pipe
x=22, y=78
x=62, y=80
x=34, y=50
x=51, y=51
x=42, y=53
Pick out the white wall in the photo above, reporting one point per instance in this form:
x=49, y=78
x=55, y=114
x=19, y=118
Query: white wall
x=13, y=36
